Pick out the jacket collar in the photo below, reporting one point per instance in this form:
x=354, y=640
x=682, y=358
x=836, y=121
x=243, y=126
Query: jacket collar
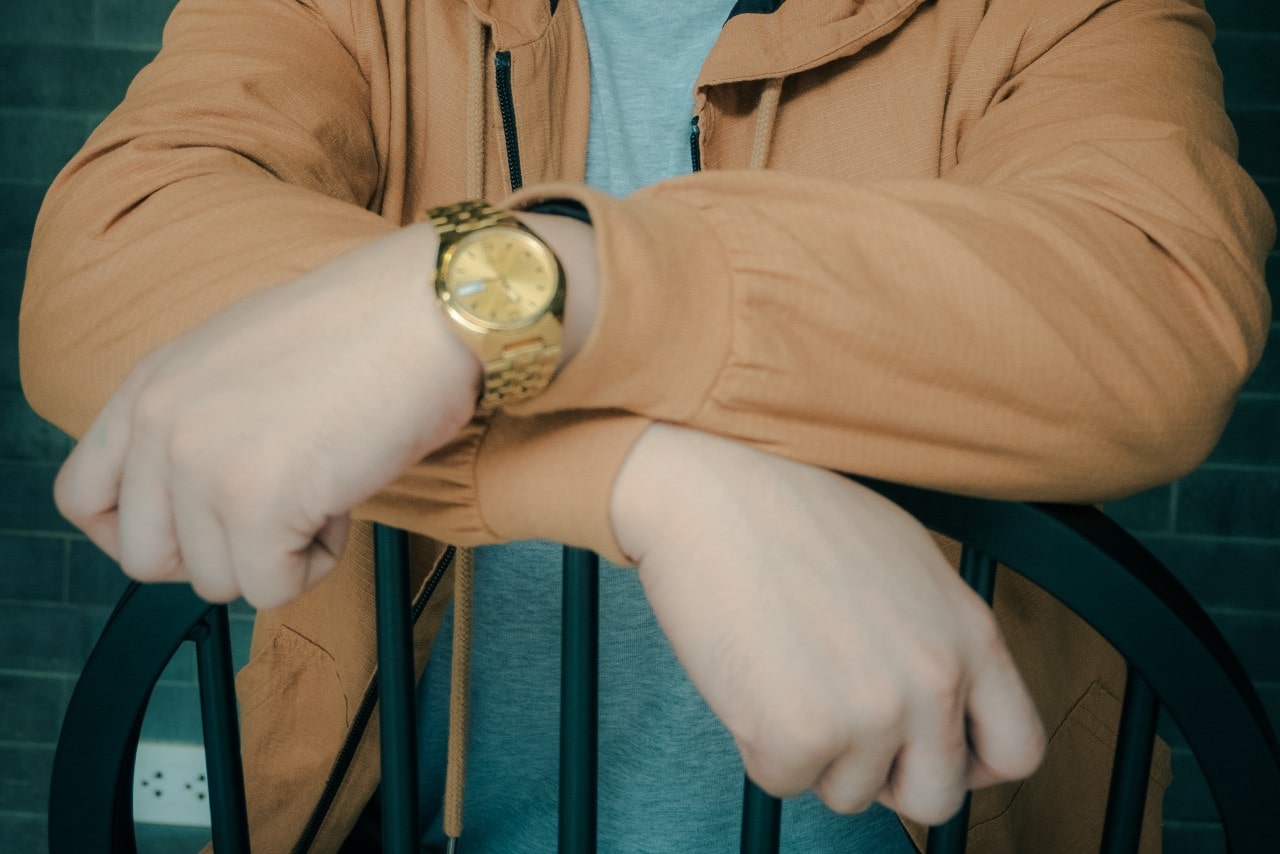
x=762, y=38
x=513, y=23
x=798, y=36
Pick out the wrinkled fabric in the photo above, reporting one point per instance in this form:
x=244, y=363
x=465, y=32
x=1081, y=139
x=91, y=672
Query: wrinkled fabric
x=1004, y=248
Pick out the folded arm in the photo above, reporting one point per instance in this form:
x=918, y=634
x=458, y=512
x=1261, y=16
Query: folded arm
x=1067, y=313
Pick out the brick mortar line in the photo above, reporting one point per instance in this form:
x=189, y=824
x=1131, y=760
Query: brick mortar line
x=1261, y=468
x=72, y=676
x=1227, y=611
x=8, y=600
x=38, y=745
x=92, y=43
x=1220, y=539
x=40, y=674
x=42, y=534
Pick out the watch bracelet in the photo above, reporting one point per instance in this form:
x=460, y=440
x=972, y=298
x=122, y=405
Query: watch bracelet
x=468, y=216
x=522, y=371
x=524, y=368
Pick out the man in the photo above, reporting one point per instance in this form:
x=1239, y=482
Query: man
x=996, y=247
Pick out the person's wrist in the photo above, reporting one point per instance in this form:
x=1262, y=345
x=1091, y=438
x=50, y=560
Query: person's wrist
x=434, y=348
x=574, y=244
x=662, y=471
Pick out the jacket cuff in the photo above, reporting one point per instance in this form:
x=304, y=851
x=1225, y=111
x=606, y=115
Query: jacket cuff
x=437, y=496
x=551, y=477
x=664, y=279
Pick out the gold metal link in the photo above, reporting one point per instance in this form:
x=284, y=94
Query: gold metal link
x=522, y=370
x=468, y=216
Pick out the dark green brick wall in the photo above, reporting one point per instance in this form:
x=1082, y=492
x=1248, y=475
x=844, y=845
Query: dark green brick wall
x=64, y=64
x=1219, y=528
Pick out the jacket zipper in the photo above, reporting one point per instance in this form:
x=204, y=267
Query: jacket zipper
x=695, y=145
x=507, y=107
x=342, y=763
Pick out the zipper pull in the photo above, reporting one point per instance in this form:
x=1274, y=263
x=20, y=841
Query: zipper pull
x=695, y=146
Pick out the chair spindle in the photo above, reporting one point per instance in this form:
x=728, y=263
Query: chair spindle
x=1127, y=797
x=398, y=736
x=579, y=702
x=215, y=674
x=761, y=820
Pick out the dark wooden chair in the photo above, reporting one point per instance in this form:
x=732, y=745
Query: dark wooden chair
x=1176, y=658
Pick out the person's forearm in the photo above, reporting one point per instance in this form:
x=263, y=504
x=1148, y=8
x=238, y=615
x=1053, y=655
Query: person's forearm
x=241, y=158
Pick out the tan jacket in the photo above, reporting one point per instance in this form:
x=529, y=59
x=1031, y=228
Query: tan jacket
x=1001, y=247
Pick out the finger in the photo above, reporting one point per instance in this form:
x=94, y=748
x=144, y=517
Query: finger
x=852, y=781
x=1005, y=732
x=148, y=542
x=330, y=543
x=272, y=561
x=930, y=775
x=202, y=544
x=785, y=770
x=87, y=488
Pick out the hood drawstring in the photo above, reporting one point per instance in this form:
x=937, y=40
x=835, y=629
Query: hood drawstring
x=463, y=580
x=459, y=690
x=475, y=109
x=766, y=118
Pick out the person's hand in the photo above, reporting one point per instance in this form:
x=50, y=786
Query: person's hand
x=823, y=627
x=231, y=456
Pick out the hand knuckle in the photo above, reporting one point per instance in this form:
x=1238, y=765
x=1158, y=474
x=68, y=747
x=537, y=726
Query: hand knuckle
x=215, y=590
x=771, y=777
x=238, y=487
x=990, y=641
x=188, y=441
x=787, y=760
x=843, y=801
x=69, y=501
x=931, y=806
x=940, y=677
x=155, y=405
x=146, y=570
x=1023, y=762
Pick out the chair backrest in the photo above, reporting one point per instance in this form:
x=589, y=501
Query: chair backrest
x=1176, y=659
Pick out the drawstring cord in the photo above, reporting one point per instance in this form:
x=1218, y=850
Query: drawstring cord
x=463, y=580
x=766, y=118
x=459, y=689
x=475, y=110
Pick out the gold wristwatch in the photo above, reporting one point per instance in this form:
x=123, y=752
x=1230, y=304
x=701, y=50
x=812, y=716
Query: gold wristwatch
x=502, y=289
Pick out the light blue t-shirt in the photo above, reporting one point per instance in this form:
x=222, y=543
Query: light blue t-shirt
x=670, y=776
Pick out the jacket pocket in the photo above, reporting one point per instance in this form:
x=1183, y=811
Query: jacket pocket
x=293, y=718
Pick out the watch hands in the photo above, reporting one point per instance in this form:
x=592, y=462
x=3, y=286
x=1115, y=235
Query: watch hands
x=511, y=294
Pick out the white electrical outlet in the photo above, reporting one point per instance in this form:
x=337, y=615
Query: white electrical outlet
x=170, y=785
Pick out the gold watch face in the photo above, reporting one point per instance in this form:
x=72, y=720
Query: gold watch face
x=499, y=278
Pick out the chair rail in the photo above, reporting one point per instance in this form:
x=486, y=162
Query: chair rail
x=1075, y=553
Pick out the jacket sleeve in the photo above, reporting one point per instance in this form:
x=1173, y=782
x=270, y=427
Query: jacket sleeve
x=1067, y=313
x=240, y=158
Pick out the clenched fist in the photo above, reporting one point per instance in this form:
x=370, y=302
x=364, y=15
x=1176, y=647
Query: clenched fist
x=231, y=456
x=823, y=627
